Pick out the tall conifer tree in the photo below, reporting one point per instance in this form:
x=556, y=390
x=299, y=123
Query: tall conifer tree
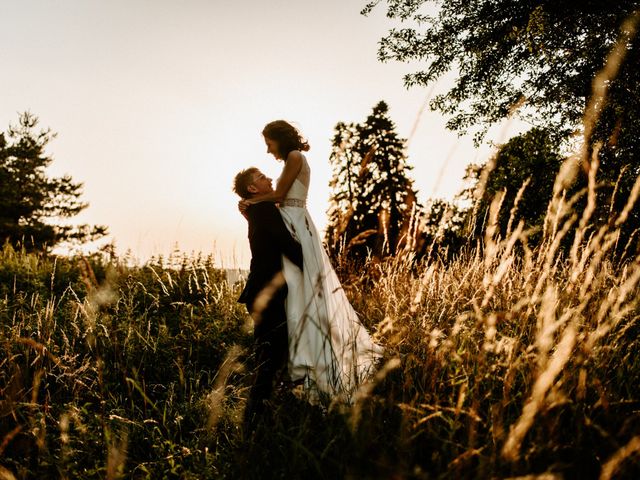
x=33, y=206
x=372, y=196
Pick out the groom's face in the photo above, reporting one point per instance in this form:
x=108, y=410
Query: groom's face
x=261, y=184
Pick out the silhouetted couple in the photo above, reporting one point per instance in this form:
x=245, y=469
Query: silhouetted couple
x=305, y=326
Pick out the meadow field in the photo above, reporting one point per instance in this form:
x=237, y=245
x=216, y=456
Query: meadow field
x=504, y=362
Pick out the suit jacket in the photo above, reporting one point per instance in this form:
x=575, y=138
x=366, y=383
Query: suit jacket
x=269, y=239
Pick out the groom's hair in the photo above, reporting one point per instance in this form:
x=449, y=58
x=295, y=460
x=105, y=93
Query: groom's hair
x=243, y=180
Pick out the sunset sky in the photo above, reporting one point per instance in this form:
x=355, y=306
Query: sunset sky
x=158, y=103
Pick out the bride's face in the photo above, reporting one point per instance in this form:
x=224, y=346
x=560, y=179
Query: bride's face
x=273, y=148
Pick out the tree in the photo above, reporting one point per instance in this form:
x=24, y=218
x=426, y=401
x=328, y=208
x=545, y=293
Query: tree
x=372, y=198
x=32, y=205
x=562, y=66
x=506, y=51
x=441, y=231
x=524, y=168
x=345, y=188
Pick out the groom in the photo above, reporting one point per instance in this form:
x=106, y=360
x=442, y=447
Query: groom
x=266, y=290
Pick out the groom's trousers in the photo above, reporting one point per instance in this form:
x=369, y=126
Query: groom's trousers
x=271, y=348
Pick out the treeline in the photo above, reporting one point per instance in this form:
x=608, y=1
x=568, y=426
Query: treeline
x=569, y=69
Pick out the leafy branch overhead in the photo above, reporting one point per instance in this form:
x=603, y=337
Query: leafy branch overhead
x=502, y=52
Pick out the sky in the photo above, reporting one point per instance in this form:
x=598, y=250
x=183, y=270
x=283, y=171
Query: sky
x=159, y=103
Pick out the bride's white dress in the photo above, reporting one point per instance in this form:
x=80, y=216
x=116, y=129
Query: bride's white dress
x=328, y=346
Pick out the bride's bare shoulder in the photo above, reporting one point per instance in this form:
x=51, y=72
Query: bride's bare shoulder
x=295, y=156
x=294, y=161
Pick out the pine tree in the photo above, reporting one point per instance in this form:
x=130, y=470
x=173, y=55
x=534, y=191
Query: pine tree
x=344, y=184
x=372, y=195
x=33, y=206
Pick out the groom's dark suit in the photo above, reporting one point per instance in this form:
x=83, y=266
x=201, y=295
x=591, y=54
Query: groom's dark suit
x=269, y=239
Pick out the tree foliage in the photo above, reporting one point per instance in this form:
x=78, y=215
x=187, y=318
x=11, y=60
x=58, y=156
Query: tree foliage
x=507, y=51
x=523, y=174
x=34, y=206
x=544, y=62
x=441, y=231
x=372, y=196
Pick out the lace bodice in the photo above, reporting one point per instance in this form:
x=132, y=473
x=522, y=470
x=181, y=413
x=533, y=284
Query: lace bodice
x=297, y=194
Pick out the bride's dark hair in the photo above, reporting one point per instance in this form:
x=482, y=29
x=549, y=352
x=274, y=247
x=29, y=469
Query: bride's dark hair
x=287, y=137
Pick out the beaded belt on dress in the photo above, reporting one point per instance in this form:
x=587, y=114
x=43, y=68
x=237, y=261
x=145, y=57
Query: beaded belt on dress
x=294, y=202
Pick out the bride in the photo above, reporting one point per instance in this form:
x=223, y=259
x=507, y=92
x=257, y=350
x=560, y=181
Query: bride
x=328, y=346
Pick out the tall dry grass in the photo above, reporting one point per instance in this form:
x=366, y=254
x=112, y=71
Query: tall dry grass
x=506, y=361
x=104, y=366
x=512, y=361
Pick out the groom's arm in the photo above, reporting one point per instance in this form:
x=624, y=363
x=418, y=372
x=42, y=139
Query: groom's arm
x=271, y=221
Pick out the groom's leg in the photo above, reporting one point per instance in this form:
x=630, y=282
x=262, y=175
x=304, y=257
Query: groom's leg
x=270, y=343
x=261, y=388
x=277, y=336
